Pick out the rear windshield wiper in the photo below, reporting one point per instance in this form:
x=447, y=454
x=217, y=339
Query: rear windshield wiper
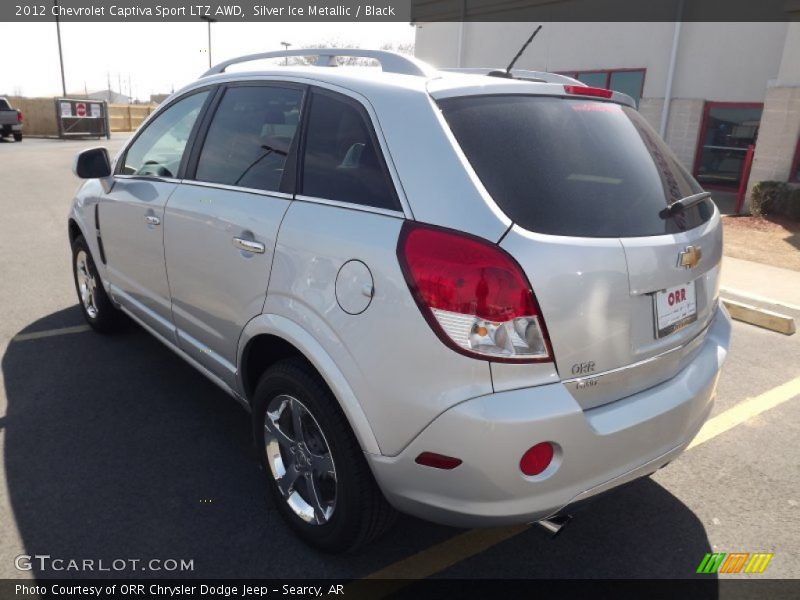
x=681, y=205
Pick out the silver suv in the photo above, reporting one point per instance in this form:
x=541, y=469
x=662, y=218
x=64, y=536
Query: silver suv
x=473, y=298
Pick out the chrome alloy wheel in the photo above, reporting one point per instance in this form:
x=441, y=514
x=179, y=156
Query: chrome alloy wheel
x=86, y=283
x=300, y=459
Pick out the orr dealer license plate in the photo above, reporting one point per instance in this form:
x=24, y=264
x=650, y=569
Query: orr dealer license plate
x=676, y=307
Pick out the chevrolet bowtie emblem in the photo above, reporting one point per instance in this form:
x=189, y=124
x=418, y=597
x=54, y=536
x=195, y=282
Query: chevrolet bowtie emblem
x=690, y=257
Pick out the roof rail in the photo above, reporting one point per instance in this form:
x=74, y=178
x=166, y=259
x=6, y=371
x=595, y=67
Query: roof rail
x=542, y=76
x=391, y=62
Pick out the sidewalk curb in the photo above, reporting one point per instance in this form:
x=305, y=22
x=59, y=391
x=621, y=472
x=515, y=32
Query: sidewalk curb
x=760, y=317
x=757, y=298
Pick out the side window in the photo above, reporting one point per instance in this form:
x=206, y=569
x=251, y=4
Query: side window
x=249, y=137
x=342, y=161
x=157, y=151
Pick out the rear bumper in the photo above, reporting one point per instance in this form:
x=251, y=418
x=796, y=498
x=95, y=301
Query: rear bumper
x=15, y=128
x=596, y=449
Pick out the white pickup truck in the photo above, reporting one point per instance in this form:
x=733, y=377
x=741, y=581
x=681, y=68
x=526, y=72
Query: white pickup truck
x=10, y=121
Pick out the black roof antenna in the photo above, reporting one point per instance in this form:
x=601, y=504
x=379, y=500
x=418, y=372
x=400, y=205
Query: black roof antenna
x=507, y=73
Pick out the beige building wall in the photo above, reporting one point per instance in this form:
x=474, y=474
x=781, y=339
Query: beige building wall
x=780, y=122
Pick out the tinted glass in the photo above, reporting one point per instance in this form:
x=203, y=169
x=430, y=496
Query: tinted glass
x=341, y=160
x=4, y=104
x=249, y=138
x=628, y=82
x=593, y=79
x=157, y=151
x=573, y=167
x=729, y=131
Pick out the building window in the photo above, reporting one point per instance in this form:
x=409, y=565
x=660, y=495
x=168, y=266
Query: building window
x=627, y=81
x=727, y=129
x=794, y=174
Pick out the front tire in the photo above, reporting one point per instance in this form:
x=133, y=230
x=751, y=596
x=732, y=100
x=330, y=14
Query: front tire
x=315, y=469
x=95, y=304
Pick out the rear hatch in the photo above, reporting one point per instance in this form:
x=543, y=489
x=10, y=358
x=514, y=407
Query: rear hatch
x=626, y=287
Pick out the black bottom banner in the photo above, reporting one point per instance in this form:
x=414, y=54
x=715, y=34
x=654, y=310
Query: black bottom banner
x=653, y=589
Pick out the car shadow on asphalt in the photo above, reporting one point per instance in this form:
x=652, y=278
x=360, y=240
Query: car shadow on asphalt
x=115, y=448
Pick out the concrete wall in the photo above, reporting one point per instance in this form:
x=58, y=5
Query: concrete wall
x=777, y=136
x=780, y=122
x=683, y=126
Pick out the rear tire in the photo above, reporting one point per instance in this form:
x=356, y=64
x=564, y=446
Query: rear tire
x=347, y=510
x=17, y=137
x=97, y=308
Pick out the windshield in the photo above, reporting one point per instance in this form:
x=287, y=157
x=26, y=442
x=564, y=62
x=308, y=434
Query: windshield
x=574, y=167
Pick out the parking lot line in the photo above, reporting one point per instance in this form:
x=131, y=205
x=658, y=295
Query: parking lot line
x=441, y=556
x=35, y=335
x=745, y=410
x=430, y=561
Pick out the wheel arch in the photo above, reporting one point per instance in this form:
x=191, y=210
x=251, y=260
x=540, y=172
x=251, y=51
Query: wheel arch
x=73, y=229
x=269, y=338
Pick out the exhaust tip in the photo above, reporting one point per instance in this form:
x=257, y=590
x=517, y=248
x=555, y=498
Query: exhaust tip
x=555, y=524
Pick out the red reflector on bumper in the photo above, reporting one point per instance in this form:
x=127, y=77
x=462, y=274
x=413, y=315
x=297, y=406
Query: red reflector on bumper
x=536, y=459
x=438, y=461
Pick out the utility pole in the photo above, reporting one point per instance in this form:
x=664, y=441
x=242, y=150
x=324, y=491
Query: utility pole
x=60, y=53
x=209, y=20
x=130, y=88
x=286, y=46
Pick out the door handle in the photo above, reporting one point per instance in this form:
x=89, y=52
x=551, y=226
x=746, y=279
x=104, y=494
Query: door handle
x=152, y=220
x=249, y=245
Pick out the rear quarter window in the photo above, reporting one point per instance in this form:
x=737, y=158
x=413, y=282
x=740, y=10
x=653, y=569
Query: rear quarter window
x=342, y=159
x=573, y=167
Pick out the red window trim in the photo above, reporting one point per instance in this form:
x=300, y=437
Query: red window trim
x=608, y=72
x=794, y=175
x=698, y=150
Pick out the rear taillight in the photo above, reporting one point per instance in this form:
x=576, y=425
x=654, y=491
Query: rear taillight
x=473, y=294
x=582, y=90
x=19, y=116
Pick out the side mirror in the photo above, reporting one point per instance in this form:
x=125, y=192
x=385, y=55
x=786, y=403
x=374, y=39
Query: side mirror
x=92, y=164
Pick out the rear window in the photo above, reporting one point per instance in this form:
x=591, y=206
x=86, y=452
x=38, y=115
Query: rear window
x=4, y=105
x=573, y=167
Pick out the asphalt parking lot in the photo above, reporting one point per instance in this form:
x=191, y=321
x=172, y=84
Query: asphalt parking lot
x=112, y=447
